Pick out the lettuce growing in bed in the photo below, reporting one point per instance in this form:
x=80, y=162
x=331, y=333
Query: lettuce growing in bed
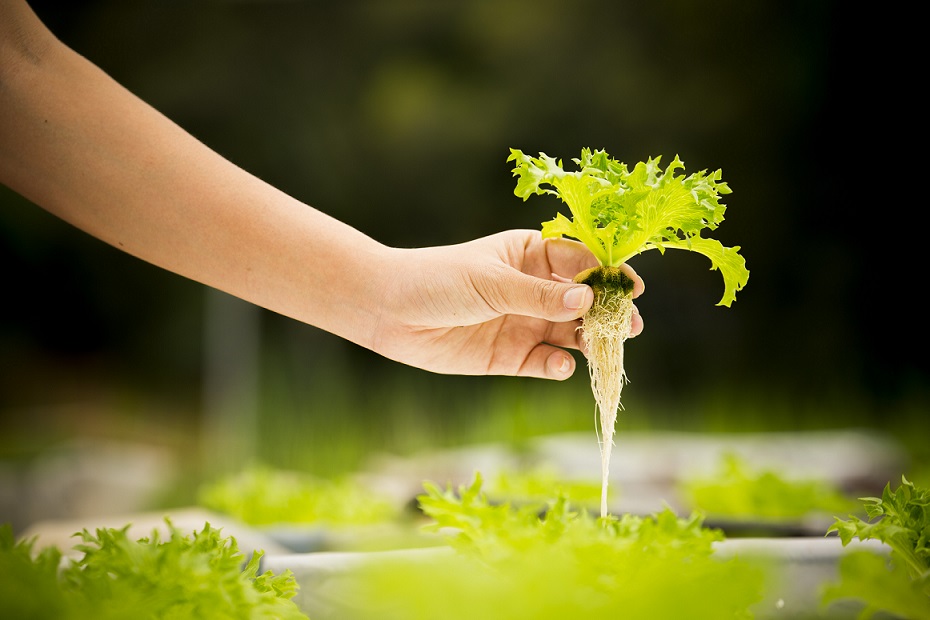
x=264, y=496
x=548, y=561
x=201, y=575
x=900, y=519
x=541, y=484
x=738, y=492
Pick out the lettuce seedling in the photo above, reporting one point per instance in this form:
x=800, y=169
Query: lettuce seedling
x=619, y=213
x=546, y=560
x=198, y=575
x=264, y=496
x=737, y=491
x=900, y=519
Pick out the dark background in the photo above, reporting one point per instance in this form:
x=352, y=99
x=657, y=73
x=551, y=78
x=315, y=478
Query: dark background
x=397, y=117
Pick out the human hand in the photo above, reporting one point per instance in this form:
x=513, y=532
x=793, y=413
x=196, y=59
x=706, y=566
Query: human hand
x=499, y=305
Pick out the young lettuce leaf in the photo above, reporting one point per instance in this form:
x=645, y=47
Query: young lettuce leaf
x=200, y=575
x=618, y=213
x=900, y=519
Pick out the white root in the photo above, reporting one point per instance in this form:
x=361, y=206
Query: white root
x=606, y=327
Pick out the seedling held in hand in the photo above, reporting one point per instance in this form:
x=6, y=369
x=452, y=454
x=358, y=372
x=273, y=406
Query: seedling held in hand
x=619, y=213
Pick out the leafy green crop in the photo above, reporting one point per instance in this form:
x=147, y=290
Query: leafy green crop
x=186, y=576
x=29, y=585
x=541, y=484
x=265, y=496
x=736, y=491
x=901, y=520
x=618, y=213
x=547, y=561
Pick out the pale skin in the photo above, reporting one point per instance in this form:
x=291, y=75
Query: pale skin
x=79, y=145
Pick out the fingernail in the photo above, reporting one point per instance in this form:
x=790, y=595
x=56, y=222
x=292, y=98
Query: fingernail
x=575, y=298
x=560, y=363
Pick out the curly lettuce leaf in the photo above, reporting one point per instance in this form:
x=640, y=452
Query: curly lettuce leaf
x=548, y=561
x=900, y=583
x=619, y=213
x=900, y=518
x=199, y=575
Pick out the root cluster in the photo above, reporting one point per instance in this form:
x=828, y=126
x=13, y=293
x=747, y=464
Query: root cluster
x=606, y=327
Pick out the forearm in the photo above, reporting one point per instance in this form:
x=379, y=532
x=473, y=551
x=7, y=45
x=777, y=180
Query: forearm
x=76, y=143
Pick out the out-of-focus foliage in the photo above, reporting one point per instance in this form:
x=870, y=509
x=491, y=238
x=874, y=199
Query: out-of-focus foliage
x=511, y=563
x=736, y=491
x=883, y=587
x=266, y=496
x=541, y=484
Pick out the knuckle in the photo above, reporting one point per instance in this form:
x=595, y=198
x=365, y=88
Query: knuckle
x=541, y=293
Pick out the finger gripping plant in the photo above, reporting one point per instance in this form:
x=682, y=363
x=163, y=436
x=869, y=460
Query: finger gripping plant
x=619, y=213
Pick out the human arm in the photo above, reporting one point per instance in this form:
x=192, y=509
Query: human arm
x=81, y=146
x=78, y=144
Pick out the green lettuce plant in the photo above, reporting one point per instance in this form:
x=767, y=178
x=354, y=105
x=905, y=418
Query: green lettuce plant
x=200, y=575
x=900, y=585
x=541, y=484
x=736, y=491
x=619, y=212
x=264, y=496
x=548, y=561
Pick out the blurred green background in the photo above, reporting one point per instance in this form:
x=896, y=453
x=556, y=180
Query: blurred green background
x=397, y=117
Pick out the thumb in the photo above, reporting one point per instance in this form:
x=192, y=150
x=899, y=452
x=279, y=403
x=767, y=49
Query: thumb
x=544, y=299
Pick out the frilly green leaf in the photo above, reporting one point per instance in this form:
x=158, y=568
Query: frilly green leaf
x=619, y=213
